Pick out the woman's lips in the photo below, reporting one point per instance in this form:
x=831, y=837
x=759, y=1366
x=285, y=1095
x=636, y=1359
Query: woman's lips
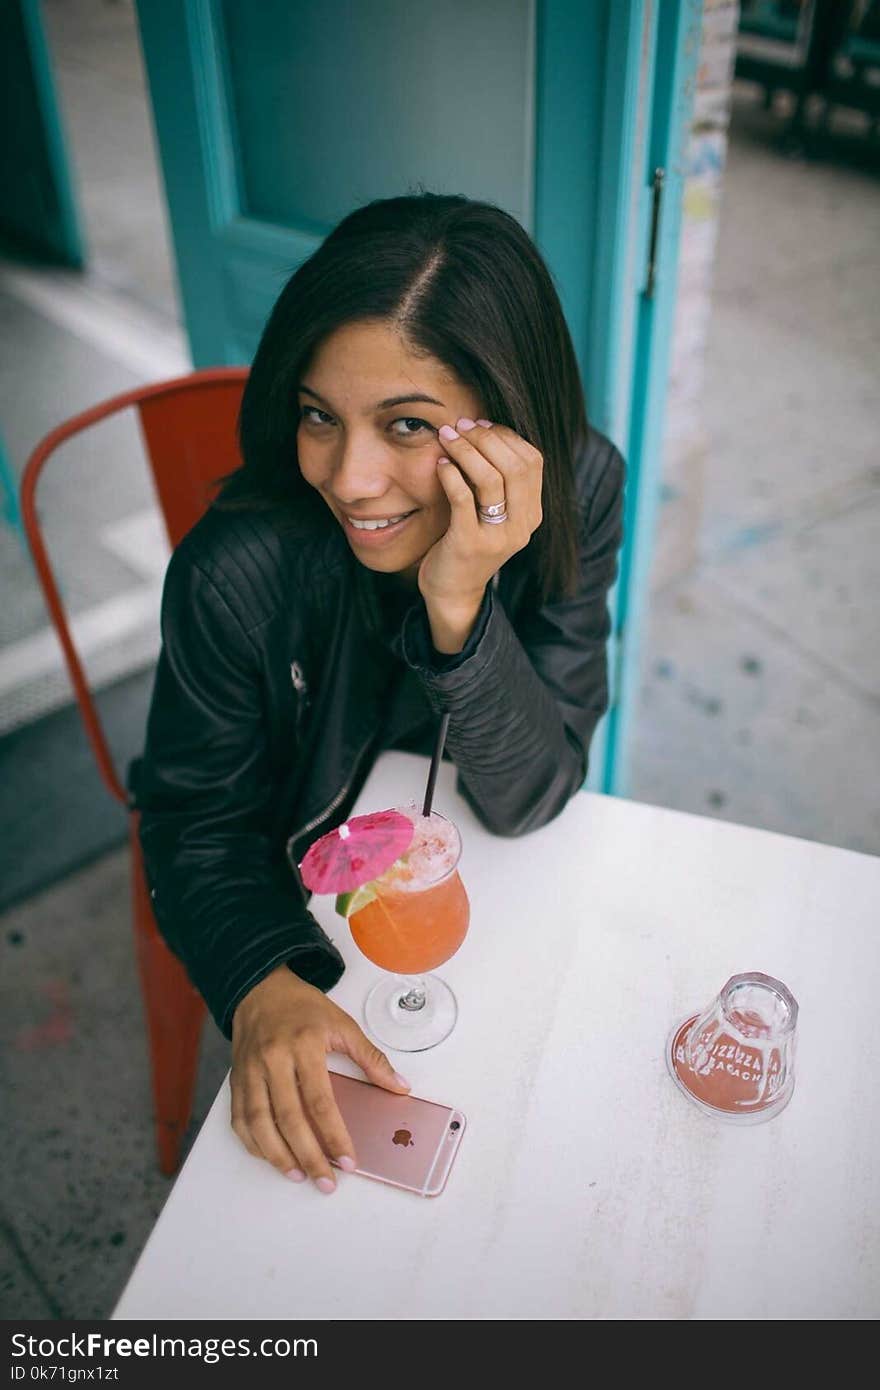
x=379, y=537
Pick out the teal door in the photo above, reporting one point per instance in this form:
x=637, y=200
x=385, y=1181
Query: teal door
x=38, y=214
x=275, y=120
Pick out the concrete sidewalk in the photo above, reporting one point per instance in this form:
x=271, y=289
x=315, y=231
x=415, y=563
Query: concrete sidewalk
x=760, y=699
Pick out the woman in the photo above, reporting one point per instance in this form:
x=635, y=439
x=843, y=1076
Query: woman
x=300, y=638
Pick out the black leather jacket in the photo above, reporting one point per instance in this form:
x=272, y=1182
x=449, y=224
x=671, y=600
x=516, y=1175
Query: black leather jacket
x=287, y=666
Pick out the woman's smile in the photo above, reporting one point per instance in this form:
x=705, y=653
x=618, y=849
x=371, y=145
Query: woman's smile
x=375, y=533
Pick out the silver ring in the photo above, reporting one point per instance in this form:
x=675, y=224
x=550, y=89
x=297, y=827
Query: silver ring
x=494, y=514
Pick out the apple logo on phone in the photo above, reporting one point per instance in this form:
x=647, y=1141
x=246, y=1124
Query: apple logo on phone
x=404, y=1137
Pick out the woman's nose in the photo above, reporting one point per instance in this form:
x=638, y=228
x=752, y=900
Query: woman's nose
x=359, y=472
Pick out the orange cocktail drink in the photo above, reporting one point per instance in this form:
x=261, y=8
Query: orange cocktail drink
x=411, y=932
x=419, y=915
x=409, y=920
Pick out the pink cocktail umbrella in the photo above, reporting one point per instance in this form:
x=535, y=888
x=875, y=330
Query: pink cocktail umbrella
x=356, y=852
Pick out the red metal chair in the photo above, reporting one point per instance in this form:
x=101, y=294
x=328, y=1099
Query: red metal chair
x=188, y=427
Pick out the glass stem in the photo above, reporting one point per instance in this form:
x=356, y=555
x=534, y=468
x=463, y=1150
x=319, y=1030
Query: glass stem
x=415, y=997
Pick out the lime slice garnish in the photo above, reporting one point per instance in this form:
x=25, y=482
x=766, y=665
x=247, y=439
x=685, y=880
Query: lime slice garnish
x=347, y=904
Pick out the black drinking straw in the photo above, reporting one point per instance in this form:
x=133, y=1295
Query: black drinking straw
x=435, y=763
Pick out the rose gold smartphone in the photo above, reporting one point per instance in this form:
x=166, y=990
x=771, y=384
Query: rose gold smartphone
x=402, y=1140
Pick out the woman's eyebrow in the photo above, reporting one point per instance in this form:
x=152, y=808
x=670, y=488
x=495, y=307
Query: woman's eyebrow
x=381, y=405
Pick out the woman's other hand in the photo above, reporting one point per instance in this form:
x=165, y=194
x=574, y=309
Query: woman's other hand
x=283, y=1106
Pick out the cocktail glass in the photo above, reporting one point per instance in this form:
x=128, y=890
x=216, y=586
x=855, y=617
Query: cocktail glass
x=415, y=918
x=736, y=1058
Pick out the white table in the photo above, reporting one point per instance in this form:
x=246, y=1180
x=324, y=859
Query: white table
x=586, y=1185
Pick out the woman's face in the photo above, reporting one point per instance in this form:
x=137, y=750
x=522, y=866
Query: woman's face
x=369, y=459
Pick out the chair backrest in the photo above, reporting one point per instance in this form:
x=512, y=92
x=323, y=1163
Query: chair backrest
x=189, y=432
x=189, y=429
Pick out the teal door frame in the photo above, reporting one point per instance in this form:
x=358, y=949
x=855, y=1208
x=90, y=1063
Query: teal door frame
x=676, y=32
x=39, y=216
x=592, y=248
x=214, y=240
x=599, y=253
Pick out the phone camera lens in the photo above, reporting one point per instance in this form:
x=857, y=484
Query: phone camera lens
x=454, y=1126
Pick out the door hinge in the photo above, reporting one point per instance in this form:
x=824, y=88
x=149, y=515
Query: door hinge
x=657, y=185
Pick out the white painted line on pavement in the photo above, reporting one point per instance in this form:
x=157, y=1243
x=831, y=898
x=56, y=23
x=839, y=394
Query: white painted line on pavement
x=96, y=628
x=148, y=345
x=139, y=541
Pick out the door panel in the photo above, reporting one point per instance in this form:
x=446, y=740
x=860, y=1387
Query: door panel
x=274, y=120
x=402, y=91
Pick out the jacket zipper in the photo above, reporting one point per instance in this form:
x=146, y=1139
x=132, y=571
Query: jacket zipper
x=340, y=795
x=303, y=699
x=328, y=810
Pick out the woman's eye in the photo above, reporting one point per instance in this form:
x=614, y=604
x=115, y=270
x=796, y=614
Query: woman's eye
x=307, y=410
x=413, y=424
x=411, y=420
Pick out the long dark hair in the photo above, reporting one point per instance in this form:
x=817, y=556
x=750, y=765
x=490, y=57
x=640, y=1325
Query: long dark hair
x=460, y=280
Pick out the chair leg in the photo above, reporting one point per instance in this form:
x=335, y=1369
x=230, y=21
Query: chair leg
x=175, y=1012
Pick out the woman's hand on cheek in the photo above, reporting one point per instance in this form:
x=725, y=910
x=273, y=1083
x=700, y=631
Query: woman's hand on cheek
x=485, y=464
